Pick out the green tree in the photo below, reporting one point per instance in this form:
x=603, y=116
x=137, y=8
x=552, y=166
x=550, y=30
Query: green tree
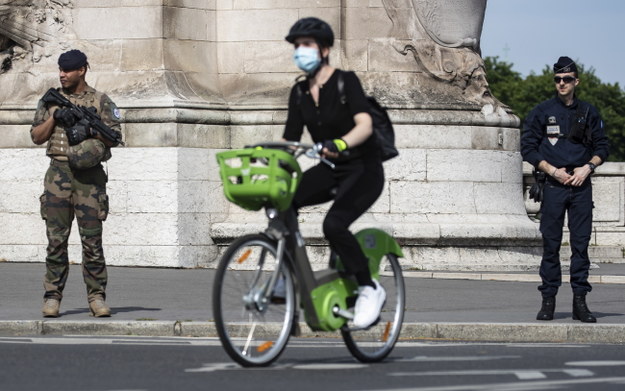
x=522, y=95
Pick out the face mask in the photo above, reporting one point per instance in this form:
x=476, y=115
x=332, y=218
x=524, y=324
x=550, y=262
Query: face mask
x=306, y=59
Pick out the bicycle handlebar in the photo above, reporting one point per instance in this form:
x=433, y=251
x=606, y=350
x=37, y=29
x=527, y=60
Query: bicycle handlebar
x=312, y=151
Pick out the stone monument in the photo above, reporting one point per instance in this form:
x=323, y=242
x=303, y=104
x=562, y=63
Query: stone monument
x=196, y=77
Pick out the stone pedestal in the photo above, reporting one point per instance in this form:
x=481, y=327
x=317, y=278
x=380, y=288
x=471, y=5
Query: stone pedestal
x=196, y=77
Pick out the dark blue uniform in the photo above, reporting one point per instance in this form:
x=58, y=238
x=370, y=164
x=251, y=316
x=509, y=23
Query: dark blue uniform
x=545, y=138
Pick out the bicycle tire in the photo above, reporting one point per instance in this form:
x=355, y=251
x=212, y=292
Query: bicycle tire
x=374, y=343
x=252, y=334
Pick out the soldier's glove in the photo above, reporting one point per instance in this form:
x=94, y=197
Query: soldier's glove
x=79, y=133
x=64, y=117
x=337, y=145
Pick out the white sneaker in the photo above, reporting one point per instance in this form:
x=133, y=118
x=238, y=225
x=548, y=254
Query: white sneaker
x=368, y=305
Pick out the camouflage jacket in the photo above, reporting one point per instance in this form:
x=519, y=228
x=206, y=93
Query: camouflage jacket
x=57, y=146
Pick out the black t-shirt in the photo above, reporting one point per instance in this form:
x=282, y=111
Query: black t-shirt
x=331, y=119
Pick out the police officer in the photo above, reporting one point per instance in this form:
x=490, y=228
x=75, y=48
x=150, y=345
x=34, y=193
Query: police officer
x=74, y=185
x=565, y=138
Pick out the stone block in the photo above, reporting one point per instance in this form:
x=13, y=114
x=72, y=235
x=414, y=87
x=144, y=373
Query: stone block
x=266, y=56
x=609, y=199
x=134, y=54
x=198, y=164
x=356, y=55
x=195, y=230
x=495, y=198
x=255, y=25
x=279, y=4
x=194, y=24
x=463, y=166
x=16, y=136
x=383, y=57
x=22, y=228
x=21, y=196
x=432, y=197
x=191, y=56
x=151, y=134
x=108, y=23
x=432, y=136
x=193, y=136
x=229, y=57
x=145, y=229
x=144, y=164
x=410, y=165
x=366, y=22
x=28, y=164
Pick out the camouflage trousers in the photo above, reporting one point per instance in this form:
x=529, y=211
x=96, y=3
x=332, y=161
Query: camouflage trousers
x=69, y=193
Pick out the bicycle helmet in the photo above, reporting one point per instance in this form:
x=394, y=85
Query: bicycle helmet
x=312, y=27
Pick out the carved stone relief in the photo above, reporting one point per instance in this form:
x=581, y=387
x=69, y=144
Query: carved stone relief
x=31, y=30
x=443, y=37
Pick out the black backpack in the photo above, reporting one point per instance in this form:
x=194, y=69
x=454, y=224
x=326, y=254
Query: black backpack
x=382, y=125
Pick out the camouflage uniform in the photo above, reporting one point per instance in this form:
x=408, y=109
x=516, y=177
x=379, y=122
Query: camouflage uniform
x=80, y=192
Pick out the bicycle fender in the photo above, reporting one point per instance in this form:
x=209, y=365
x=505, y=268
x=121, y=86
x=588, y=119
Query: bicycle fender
x=375, y=244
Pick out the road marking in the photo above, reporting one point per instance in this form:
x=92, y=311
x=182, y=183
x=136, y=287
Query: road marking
x=597, y=363
x=78, y=340
x=521, y=374
x=454, y=358
x=330, y=366
x=527, y=386
x=214, y=367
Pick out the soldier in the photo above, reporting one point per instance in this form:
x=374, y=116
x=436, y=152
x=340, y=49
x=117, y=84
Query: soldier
x=75, y=184
x=564, y=138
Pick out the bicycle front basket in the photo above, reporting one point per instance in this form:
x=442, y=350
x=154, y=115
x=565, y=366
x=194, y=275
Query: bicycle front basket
x=254, y=178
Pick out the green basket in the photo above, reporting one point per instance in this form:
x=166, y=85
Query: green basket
x=255, y=178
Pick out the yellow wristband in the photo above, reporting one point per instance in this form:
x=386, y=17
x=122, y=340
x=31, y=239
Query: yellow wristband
x=341, y=145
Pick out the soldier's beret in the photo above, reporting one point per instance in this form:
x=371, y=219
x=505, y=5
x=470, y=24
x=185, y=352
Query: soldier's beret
x=564, y=65
x=72, y=60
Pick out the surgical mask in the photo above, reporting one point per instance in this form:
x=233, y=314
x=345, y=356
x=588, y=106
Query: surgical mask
x=307, y=59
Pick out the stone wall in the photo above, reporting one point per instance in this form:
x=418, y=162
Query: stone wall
x=194, y=77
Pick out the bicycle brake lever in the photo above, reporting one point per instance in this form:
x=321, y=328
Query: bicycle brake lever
x=317, y=148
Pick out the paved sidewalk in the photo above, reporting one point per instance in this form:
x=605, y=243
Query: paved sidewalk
x=440, y=305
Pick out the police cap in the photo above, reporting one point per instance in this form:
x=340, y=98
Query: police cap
x=564, y=65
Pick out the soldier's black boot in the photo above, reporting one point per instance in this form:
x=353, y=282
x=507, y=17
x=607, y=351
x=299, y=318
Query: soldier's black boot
x=547, y=309
x=581, y=311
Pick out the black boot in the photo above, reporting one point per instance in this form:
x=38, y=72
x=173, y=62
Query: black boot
x=547, y=309
x=581, y=311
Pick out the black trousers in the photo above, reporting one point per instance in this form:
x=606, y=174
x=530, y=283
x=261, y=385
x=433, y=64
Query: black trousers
x=354, y=186
x=577, y=203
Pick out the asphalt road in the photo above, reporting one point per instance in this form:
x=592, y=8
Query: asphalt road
x=140, y=363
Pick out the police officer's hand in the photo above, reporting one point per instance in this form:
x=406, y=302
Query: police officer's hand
x=64, y=117
x=579, y=176
x=561, y=176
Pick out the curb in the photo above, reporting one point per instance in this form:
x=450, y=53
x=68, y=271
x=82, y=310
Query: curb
x=478, y=332
x=510, y=277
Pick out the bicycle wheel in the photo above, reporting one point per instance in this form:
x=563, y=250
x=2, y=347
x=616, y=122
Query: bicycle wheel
x=253, y=329
x=376, y=342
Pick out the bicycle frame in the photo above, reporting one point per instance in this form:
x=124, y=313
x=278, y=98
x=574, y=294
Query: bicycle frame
x=324, y=295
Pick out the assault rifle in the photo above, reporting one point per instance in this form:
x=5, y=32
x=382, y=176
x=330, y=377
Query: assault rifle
x=86, y=119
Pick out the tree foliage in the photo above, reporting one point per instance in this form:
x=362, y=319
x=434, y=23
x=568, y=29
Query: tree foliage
x=523, y=94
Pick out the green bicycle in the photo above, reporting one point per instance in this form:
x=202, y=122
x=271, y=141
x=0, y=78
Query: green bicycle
x=263, y=279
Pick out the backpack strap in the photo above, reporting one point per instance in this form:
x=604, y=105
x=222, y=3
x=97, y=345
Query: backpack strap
x=341, y=87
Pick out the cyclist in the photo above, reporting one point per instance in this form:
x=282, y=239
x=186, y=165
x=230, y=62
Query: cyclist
x=340, y=120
